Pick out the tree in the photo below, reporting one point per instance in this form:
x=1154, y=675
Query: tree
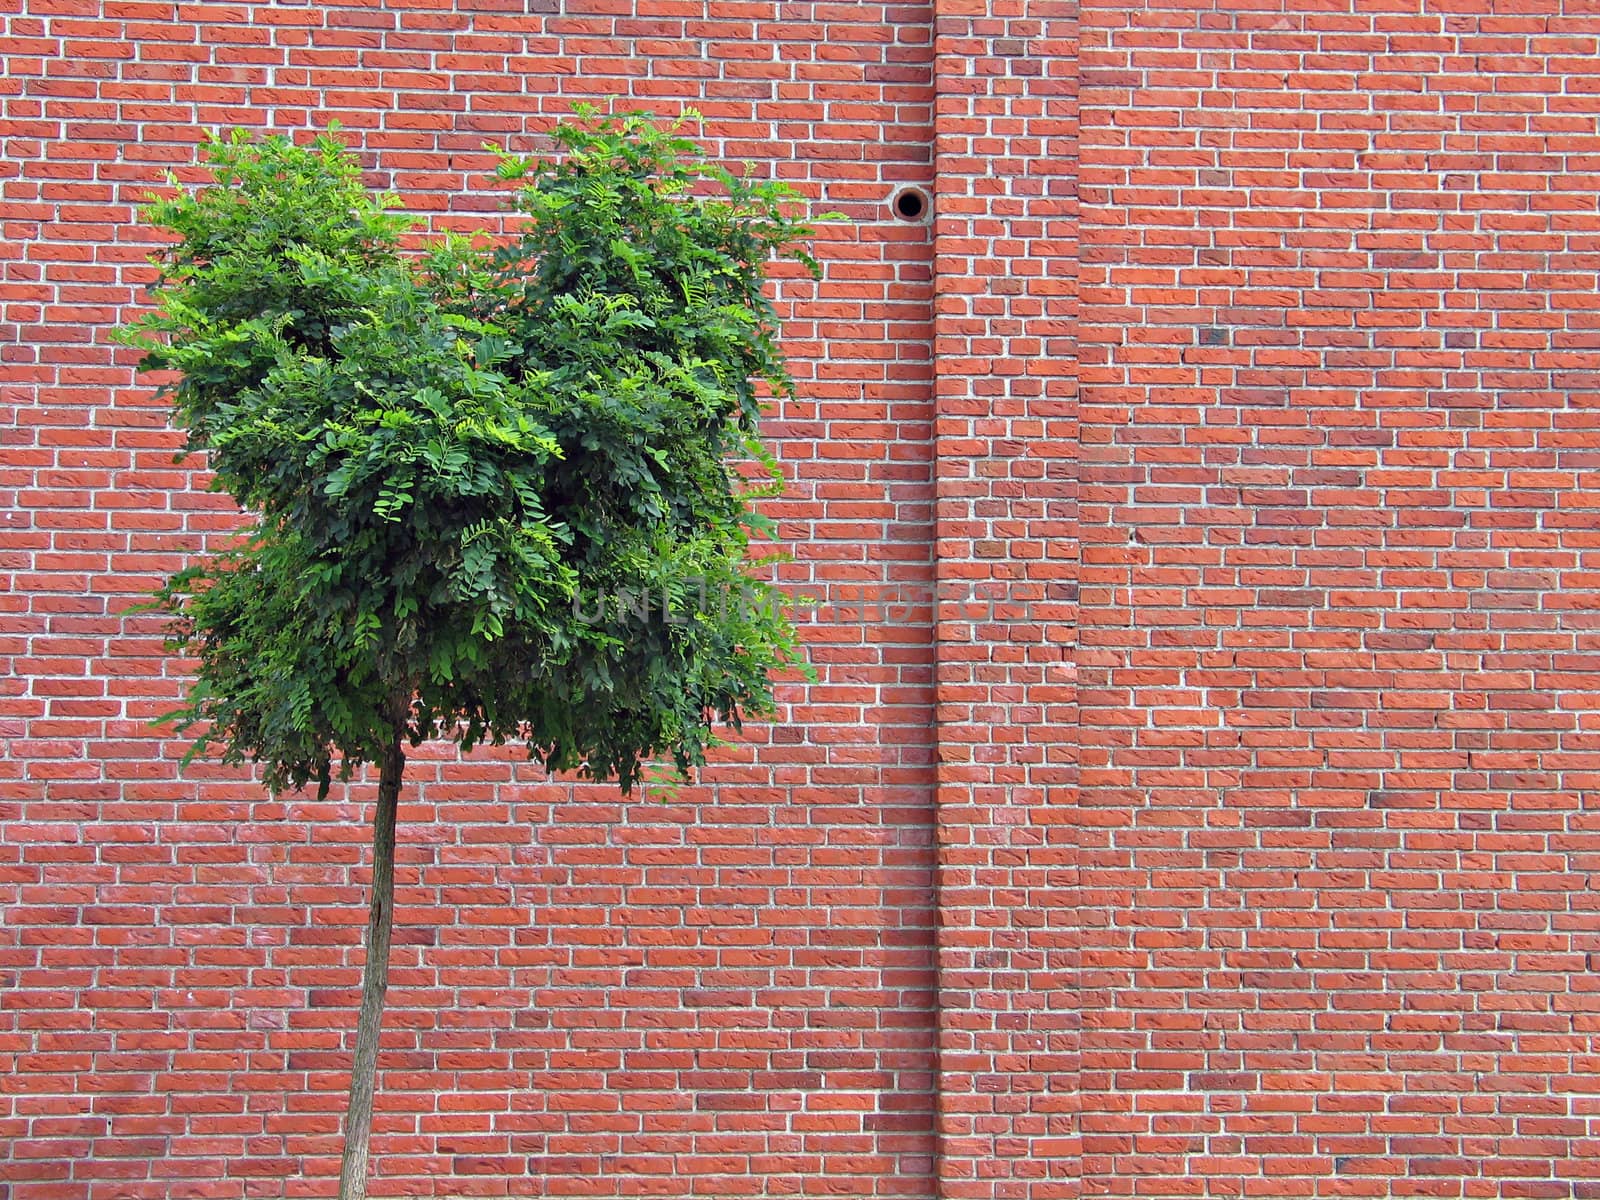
x=495, y=492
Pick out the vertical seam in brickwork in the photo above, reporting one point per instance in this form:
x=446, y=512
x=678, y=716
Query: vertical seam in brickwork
x=946, y=198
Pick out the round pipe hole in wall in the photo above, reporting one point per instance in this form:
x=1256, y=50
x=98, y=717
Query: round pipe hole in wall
x=911, y=204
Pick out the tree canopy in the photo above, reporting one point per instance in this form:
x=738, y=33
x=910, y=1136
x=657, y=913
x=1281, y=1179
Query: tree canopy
x=496, y=490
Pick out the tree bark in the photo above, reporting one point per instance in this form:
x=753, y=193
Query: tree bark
x=374, y=979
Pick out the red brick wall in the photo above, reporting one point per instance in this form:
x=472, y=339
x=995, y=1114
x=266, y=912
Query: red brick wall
x=1339, y=664
x=1242, y=741
x=729, y=995
x=1006, y=548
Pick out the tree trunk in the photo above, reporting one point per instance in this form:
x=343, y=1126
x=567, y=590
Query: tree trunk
x=374, y=979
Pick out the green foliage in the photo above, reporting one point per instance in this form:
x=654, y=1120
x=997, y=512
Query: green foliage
x=495, y=494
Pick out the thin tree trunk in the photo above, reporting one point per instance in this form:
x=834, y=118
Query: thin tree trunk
x=374, y=979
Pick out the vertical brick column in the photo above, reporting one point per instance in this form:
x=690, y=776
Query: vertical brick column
x=1005, y=436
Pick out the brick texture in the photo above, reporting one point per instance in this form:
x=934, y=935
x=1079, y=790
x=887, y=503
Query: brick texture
x=1339, y=663
x=1005, y=436
x=728, y=995
x=1201, y=792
